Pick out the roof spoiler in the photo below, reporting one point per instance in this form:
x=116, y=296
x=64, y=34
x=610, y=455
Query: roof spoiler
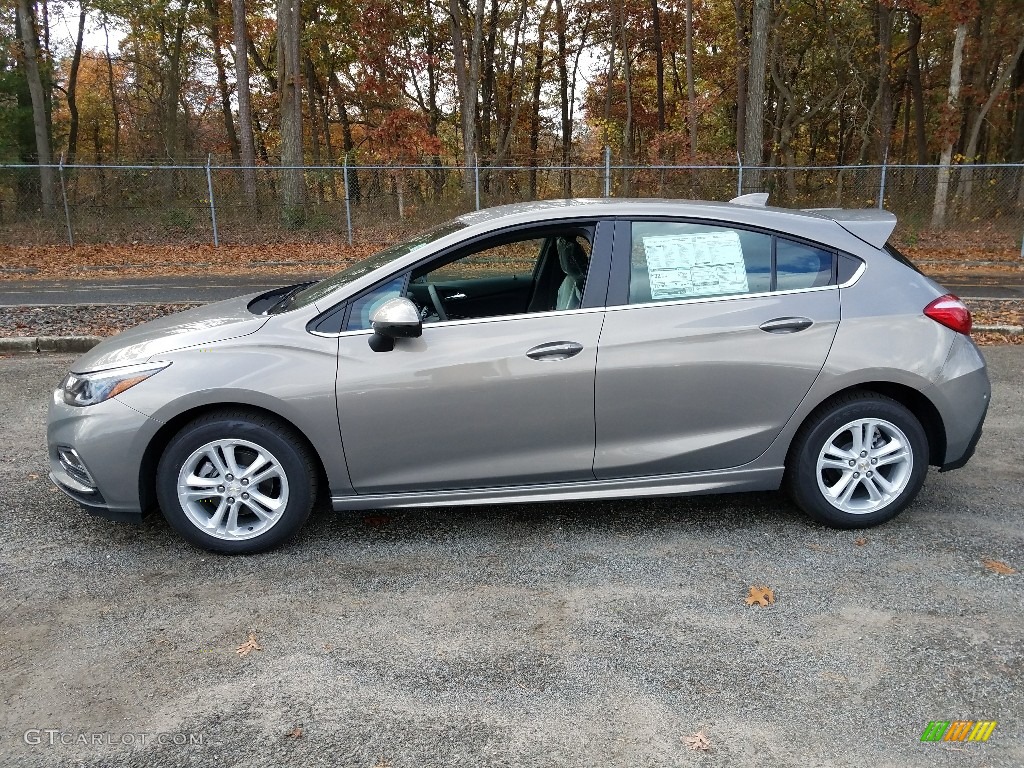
x=871, y=225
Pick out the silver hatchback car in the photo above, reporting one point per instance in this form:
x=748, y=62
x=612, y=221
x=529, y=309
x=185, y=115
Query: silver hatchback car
x=576, y=349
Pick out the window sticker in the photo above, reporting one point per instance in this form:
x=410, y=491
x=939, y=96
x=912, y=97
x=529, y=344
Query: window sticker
x=695, y=264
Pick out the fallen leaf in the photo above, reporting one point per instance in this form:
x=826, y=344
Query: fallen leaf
x=860, y=542
x=249, y=646
x=999, y=567
x=698, y=742
x=294, y=733
x=33, y=476
x=376, y=521
x=760, y=596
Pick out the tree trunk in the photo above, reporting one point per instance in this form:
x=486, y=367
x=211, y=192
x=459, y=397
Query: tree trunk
x=467, y=79
x=538, y=71
x=172, y=92
x=247, y=143
x=952, y=101
x=113, y=92
x=1016, y=153
x=213, y=19
x=884, y=99
x=563, y=88
x=289, y=75
x=916, y=90
x=691, y=92
x=659, y=61
x=628, y=145
x=76, y=61
x=754, y=130
x=967, y=174
x=741, y=75
x=30, y=49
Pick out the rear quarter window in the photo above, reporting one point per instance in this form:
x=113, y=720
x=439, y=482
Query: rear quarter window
x=801, y=266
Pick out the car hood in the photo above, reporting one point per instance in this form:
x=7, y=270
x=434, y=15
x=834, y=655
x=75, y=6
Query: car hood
x=200, y=325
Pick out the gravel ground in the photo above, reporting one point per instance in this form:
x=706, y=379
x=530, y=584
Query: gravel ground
x=106, y=320
x=538, y=635
x=80, y=319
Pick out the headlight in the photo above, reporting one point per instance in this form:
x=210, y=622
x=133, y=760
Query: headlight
x=91, y=388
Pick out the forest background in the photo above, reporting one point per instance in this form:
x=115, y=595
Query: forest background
x=403, y=112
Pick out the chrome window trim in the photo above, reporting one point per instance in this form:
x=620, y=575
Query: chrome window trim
x=729, y=296
x=618, y=307
x=474, y=321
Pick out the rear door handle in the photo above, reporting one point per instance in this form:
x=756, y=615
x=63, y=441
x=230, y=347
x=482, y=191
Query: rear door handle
x=787, y=324
x=555, y=350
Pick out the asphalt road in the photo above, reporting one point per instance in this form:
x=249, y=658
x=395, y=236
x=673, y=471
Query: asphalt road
x=175, y=290
x=597, y=634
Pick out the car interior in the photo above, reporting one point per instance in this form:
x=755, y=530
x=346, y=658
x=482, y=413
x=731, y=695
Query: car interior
x=543, y=273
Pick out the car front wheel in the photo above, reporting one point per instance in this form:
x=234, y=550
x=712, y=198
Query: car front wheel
x=236, y=483
x=858, y=461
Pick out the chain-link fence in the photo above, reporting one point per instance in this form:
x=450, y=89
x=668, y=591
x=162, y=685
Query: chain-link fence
x=160, y=204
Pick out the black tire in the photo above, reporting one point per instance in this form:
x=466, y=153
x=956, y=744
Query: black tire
x=291, y=455
x=802, y=467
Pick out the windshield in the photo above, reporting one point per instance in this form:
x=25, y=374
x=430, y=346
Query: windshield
x=311, y=293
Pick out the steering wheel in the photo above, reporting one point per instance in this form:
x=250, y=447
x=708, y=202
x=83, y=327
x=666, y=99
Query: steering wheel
x=436, y=301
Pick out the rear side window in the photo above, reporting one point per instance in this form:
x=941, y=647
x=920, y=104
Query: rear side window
x=676, y=260
x=670, y=261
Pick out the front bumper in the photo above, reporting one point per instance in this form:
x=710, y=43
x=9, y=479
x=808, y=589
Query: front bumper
x=109, y=440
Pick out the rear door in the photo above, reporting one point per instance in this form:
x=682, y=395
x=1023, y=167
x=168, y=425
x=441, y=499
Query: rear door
x=718, y=334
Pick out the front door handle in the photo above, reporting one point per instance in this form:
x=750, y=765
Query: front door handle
x=787, y=324
x=555, y=350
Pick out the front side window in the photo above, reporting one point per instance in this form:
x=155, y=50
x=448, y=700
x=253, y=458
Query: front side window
x=535, y=270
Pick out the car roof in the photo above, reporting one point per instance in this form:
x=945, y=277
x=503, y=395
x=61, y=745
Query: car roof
x=872, y=226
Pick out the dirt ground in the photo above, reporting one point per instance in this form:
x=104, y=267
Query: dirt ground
x=588, y=634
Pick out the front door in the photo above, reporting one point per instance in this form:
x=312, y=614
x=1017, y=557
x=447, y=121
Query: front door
x=499, y=389
x=471, y=404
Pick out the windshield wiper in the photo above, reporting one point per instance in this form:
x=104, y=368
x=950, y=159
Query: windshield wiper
x=282, y=304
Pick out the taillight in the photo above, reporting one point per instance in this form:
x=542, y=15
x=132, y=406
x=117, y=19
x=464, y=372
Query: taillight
x=950, y=312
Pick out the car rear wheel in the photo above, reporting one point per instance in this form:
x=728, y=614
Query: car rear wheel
x=858, y=461
x=236, y=482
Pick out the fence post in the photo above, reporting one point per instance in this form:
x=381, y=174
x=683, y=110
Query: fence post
x=607, y=171
x=476, y=177
x=348, y=207
x=881, y=185
x=213, y=207
x=739, y=166
x=64, y=194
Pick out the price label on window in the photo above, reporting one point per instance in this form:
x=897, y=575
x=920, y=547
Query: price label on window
x=695, y=264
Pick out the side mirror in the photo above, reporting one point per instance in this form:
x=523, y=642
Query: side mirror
x=396, y=318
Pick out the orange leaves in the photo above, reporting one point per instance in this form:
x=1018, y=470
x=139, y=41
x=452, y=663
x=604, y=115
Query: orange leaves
x=249, y=646
x=698, y=742
x=763, y=596
x=997, y=566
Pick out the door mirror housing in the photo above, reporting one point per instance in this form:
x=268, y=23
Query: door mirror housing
x=396, y=318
